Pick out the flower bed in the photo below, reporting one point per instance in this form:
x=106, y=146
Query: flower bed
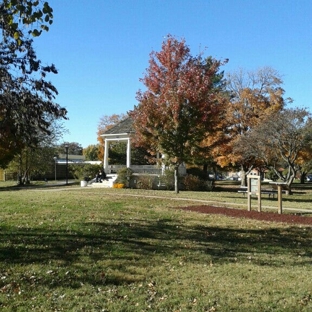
x=118, y=185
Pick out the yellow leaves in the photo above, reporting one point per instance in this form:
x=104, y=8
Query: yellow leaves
x=223, y=161
x=118, y=185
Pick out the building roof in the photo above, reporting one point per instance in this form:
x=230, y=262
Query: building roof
x=124, y=126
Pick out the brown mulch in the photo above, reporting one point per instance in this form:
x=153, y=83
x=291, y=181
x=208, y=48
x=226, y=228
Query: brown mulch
x=262, y=216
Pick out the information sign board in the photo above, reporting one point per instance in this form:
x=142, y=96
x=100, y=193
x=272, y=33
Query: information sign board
x=254, y=188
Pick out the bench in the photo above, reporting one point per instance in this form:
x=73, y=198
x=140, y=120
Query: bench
x=243, y=190
x=162, y=185
x=285, y=189
x=270, y=192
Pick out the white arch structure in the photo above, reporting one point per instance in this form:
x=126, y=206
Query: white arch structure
x=109, y=138
x=122, y=133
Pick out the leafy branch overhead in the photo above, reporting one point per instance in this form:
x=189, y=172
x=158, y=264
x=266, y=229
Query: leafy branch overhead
x=27, y=107
x=37, y=15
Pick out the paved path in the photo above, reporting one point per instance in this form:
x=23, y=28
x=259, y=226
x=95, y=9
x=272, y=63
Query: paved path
x=203, y=201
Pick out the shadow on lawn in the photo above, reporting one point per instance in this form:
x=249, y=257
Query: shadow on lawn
x=143, y=244
x=296, y=200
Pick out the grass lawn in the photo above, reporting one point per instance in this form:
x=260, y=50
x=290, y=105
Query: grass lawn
x=89, y=249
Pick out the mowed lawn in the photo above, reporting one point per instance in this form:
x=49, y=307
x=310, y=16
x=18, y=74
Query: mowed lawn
x=87, y=249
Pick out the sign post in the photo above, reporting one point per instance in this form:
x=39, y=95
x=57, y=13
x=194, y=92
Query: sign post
x=254, y=188
x=279, y=195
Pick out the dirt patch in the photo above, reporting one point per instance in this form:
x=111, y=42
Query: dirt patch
x=261, y=216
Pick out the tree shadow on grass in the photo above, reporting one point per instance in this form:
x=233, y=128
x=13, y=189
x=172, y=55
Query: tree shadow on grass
x=116, y=254
x=141, y=241
x=296, y=200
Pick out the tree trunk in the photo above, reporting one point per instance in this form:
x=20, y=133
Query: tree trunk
x=176, y=179
x=205, y=169
x=243, y=177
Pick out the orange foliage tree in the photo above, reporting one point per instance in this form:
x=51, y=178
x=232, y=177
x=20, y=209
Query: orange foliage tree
x=253, y=97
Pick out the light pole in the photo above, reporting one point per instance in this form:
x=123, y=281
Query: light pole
x=66, y=150
x=55, y=159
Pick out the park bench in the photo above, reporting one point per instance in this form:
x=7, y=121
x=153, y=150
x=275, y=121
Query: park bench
x=271, y=192
x=285, y=189
x=162, y=185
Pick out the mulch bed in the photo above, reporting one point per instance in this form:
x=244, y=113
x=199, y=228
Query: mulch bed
x=262, y=216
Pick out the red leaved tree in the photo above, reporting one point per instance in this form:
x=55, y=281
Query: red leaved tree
x=180, y=105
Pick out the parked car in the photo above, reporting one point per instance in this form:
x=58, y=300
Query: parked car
x=233, y=178
x=309, y=178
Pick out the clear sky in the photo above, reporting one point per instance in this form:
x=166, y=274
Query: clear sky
x=101, y=48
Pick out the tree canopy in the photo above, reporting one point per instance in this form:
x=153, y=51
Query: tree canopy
x=91, y=152
x=180, y=105
x=279, y=141
x=254, y=95
x=17, y=14
x=27, y=106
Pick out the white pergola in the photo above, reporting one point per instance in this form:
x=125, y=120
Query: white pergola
x=122, y=133
x=121, y=137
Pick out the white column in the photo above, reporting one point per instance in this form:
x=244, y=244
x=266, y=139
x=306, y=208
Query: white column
x=106, y=147
x=128, y=153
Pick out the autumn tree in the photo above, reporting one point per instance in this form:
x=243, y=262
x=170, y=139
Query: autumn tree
x=205, y=152
x=180, y=106
x=254, y=96
x=278, y=142
x=305, y=162
x=27, y=107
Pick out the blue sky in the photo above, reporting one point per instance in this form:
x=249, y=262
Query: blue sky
x=101, y=48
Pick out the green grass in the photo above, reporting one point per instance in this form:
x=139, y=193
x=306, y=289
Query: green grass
x=84, y=249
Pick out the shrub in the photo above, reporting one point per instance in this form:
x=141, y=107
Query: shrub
x=145, y=182
x=84, y=172
x=194, y=183
x=167, y=180
x=123, y=176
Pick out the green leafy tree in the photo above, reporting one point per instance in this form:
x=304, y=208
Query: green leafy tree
x=180, y=105
x=36, y=161
x=84, y=171
x=91, y=152
x=74, y=148
x=32, y=163
x=27, y=107
x=17, y=15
